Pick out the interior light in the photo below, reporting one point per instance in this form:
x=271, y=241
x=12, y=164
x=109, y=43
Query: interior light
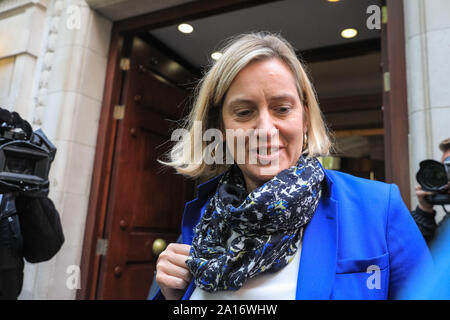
x=216, y=55
x=185, y=28
x=349, y=33
x=333, y=0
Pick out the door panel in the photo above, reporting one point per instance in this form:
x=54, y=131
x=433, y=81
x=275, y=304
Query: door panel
x=146, y=200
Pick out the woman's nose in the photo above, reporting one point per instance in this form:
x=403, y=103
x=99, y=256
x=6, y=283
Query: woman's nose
x=265, y=124
x=265, y=127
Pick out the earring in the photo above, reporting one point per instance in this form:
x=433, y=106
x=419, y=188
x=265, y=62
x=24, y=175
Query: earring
x=305, y=141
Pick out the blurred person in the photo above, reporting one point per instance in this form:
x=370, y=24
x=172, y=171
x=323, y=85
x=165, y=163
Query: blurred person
x=433, y=283
x=425, y=215
x=284, y=228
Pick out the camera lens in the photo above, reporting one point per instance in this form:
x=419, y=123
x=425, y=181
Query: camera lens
x=432, y=175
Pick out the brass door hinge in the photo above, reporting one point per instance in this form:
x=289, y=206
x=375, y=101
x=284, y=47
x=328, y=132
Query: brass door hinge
x=387, y=81
x=102, y=247
x=119, y=112
x=124, y=64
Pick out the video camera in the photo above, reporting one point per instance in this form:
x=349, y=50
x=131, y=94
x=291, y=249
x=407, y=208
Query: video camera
x=25, y=156
x=435, y=177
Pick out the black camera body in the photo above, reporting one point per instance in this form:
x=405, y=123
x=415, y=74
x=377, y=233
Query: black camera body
x=25, y=161
x=435, y=177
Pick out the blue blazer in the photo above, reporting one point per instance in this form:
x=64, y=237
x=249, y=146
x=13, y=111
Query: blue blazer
x=362, y=242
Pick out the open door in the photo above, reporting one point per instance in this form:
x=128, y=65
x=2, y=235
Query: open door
x=145, y=201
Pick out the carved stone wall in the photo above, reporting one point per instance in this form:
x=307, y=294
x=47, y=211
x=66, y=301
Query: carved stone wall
x=427, y=34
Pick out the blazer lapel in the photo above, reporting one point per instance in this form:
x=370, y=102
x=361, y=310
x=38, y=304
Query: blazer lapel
x=319, y=250
x=191, y=216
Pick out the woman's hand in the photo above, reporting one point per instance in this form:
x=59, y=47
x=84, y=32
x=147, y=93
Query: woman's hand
x=424, y=205
x=172, y=273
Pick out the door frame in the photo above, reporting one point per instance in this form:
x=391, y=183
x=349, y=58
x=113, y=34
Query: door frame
x=103, y=162
x=395, y=99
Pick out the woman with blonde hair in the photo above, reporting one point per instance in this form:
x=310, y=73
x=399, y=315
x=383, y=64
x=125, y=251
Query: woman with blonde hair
x=272, y=223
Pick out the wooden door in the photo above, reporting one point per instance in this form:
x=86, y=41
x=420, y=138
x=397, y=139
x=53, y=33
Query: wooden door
x=395, y=99
x=146, y=200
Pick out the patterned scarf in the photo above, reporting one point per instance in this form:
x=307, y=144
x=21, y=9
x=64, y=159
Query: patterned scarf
x=267, y=222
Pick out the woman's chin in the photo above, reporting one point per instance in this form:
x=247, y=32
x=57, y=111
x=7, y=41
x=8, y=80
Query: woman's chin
x=266, y=172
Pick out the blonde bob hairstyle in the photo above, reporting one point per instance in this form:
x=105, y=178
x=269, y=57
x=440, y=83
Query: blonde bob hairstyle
x=212, y=88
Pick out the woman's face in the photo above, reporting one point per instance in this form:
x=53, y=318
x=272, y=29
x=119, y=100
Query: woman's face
x=263, y=98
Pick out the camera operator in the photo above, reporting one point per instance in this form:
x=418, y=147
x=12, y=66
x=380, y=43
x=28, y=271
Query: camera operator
x=30, y=226
x=424, y=215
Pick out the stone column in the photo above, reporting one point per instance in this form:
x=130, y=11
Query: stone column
x=68, y=103
x=427, y=28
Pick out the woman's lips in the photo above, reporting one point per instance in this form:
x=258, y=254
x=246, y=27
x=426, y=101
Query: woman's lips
x=267, y=154
x=268, y=157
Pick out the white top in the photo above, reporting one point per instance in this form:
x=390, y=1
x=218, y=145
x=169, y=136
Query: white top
x=281, y=285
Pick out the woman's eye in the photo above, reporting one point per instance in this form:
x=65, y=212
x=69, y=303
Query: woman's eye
x=243, y=113
x=283, y=109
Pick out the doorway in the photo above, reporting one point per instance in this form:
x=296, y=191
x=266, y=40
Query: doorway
x=145, y=201
x=141, y=104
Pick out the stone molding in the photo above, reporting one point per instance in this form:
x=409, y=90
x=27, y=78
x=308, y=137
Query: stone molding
x=47, y=59
x=9, y=5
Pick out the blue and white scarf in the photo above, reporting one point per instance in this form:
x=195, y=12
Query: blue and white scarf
x=267, y=222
